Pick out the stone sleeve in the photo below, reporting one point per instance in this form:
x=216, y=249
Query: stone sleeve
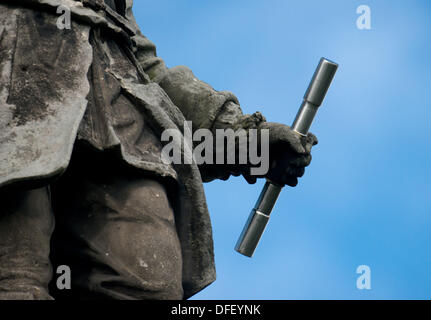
x=205, y=107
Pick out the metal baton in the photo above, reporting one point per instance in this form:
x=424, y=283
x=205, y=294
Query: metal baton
x=259, y=216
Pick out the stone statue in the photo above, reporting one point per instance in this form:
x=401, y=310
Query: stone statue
x=82, y=179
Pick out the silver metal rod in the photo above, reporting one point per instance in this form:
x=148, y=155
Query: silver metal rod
x=258, y=219
x=259, y=216
x=314, y=95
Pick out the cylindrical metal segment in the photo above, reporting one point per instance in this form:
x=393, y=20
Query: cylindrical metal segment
x=267, y=198
x=304, y=118
x=259, y=216
x=251, y=233
x=320, y=82
x=314, y=96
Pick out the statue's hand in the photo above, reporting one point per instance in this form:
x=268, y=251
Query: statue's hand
x=289, y=154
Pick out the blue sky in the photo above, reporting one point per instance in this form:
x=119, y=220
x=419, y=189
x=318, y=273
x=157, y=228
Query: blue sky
x=366, y=198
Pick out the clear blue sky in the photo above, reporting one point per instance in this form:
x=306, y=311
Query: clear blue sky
x=366, y=198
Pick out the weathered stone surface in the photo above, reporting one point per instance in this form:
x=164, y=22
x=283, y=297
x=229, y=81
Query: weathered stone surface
x=43, y=93
x=101, y=84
